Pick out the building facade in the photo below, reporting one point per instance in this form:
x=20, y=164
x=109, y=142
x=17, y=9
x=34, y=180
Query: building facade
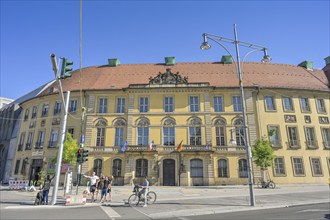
x=137, y=114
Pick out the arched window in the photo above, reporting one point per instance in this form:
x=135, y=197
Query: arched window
x=239, y=130
x=97, y=167
x=143, y=131
x=116, y=167
x=141, y=168
x=195, y=133
x=220, y=131
x=119, y=132
x=100, y=131
x=242, y=168
x=196, y=168
x=169, y=132
x=222, y=168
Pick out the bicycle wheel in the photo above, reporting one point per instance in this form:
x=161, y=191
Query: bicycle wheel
x=151, y=197
x=259, y=184
x=271, y=185
x=133, y=200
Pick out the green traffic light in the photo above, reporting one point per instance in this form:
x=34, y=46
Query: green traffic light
x=85, y=155
x=66, y=68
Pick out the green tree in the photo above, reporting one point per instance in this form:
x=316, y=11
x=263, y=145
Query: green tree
x=263, y=155
x=70, y=148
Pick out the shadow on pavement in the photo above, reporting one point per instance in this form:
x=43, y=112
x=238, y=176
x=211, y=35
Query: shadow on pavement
x=16, y=203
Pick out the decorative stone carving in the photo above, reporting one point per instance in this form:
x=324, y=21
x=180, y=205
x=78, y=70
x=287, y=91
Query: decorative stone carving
x=143, y=122
x=195, y=122
x=168, y=78
x=220, y=122
x=323, y=120
x=120, y=123
x=307, y=119
x=169, y=122
x=290, y=118
x=101, y=123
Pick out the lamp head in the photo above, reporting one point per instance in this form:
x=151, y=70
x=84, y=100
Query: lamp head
x=266, y=58
x=205, y=45
x=232, y=141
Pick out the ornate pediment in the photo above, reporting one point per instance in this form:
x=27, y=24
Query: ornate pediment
x=168, y=78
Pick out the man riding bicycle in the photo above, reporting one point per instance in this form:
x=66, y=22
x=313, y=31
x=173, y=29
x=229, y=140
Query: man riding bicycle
x=144, y=191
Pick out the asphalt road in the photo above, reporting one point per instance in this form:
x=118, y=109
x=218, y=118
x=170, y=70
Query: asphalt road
x=304, y=212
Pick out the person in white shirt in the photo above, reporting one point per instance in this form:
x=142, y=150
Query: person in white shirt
x=92, y=180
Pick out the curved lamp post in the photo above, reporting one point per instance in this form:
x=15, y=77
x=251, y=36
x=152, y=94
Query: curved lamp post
x=266, y=59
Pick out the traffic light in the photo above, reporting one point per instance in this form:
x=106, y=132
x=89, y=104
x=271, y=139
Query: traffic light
x=66, y=68
x=84, y=155
x=80, y=156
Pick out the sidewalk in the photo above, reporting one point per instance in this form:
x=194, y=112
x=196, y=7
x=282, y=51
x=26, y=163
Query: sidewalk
x=183, y=201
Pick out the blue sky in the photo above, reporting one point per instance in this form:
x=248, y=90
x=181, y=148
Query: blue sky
x=148, y=31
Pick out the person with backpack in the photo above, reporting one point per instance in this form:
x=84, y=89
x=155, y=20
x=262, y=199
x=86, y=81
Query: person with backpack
x=46, y=188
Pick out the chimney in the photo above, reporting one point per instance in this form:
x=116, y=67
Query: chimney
x=327, y=60
x=113, y=62
x=169, y=61
x=306, y=64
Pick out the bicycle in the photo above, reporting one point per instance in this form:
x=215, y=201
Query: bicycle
x=266, y=184
x=136, y=197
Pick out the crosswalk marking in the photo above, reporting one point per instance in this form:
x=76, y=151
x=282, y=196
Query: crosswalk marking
x=110, y=212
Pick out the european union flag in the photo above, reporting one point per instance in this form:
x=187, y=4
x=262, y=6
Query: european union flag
x=123, y=148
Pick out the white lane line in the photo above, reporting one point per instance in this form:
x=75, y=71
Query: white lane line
x=110, y=212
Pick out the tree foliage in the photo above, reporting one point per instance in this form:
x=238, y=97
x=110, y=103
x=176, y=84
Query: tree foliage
x=70, y=148
x=263, y=153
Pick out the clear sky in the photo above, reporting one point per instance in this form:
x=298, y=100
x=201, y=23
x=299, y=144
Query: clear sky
x=148, y=31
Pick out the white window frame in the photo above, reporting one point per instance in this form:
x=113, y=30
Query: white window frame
x=299, y=166
x=290, y=102
x=168, y=104
x=279, y=167
x=304, y=104
x=237, y=103
x=319, y=166
x=194, y=103
x=102, y=105
x=218, y=104
x=270, y=104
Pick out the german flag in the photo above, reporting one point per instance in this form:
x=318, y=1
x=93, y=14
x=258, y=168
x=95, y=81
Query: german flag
x=179, y=148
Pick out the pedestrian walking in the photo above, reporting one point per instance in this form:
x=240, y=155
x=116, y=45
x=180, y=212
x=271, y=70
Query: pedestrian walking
x=92, y=180
x=109, y=188
x=99, y=186
x=45, y=189
x=105, y=187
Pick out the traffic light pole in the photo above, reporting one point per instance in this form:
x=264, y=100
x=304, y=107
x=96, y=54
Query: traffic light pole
x=60, y=150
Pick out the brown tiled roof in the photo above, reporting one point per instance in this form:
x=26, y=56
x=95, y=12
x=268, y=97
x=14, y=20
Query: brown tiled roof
x=217, y=74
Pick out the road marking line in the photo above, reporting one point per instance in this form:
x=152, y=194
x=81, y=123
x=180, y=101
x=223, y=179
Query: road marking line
x=110, y=212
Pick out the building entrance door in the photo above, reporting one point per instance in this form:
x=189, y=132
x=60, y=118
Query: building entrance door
x=169, y=172
x=36, y=167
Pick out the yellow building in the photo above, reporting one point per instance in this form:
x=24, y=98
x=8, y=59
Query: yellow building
x=132, y=106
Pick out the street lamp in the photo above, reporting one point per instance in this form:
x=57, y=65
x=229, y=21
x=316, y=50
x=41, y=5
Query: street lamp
x=266, y=59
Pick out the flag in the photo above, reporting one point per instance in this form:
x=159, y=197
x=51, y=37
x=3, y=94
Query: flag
x=208, y=146
x=179, y=148
x=150, y=145
x=123, y=148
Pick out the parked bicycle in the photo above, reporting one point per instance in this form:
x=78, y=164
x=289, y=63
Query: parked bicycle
x=136, y=197
x=266, y=184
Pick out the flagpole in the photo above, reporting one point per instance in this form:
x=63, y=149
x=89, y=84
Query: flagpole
x=179, y=168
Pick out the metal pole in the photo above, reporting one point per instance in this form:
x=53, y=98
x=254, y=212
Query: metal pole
x=179, y=165
x=60, y=150
x=247, y=146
